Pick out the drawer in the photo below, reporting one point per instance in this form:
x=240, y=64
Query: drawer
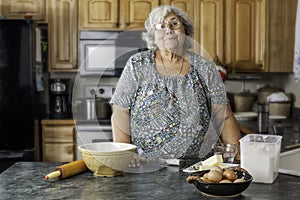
x=59, y=134
x=59, y=152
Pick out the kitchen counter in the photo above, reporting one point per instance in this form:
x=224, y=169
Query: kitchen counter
x=25, y=180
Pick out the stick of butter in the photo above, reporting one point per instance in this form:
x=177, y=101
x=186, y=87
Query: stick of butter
x=213, y=160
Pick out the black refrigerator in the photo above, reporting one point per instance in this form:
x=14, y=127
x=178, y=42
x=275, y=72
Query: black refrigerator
x=19, y=107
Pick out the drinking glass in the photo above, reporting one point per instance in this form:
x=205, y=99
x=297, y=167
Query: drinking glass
x=228, y=151
x=278, y=129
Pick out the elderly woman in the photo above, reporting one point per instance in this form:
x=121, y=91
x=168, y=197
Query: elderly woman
x=170, y=102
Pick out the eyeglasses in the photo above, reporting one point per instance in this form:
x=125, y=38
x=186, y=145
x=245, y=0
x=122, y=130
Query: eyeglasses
x=172, y=25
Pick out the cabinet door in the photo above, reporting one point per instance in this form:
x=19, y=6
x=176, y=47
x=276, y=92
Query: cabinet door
x=59, y=134
x=209, y=26
x=95, y=14
x=246, y=34
x=63, y=35
x=18, y=9
x=55, y=152
x=133, y=13
x=282, y=35
x=186, y=5
x=59, y=143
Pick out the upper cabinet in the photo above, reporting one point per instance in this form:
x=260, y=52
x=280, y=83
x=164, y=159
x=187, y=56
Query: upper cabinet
x=114, y=14
x=186, y=5
x=63, y=36
x=245, y=28
x=209, y=28
x=252, y=35
x=281, y=23
x=19, y=9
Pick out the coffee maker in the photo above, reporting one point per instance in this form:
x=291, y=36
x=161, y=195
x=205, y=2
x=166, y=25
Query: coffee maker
x=59, y=98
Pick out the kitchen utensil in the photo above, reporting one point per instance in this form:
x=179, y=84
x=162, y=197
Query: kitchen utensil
x=260, y=156
x=227, y=151
x=223, y=189
x=280, y=108
x=67, y=170
x=278, y=129
x=59, y=104
x=245, y=116
x=263, y=118
x=264, y=92
x=243, y=101
x=107, y=158
x=276, y=118
x=103, y=109
x=90, y=108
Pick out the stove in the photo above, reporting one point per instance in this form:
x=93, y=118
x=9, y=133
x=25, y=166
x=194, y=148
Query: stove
x=90, y=128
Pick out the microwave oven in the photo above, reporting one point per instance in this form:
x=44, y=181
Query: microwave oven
x=105, y=53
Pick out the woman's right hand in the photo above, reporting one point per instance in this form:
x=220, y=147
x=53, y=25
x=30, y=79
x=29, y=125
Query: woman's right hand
x=136, y=161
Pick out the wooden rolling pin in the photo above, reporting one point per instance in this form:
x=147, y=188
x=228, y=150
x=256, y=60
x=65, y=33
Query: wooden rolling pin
x=67, y=170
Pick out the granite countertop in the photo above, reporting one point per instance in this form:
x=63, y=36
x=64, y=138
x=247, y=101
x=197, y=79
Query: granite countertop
x=25, y=180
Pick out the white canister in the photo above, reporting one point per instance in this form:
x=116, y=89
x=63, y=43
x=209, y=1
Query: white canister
x=260, y=156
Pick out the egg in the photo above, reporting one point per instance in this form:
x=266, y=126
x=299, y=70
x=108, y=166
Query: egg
x=225, y=181
x=229, y=174
x=214, y=176
x=206, y=180
x=217, y=168
x=205, y=175
x=239, y=180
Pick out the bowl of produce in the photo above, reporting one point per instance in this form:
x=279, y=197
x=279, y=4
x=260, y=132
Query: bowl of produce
x=221, y=182
x=107, y=158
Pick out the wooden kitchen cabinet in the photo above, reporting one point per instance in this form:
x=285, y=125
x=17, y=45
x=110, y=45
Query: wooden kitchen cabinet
x=282, y=20
x=246, y=34
x=252, y=35
x=63, y=36
x=59, y=140
x=114, y=14
x=186, y=5
x=209, y=28
x=260, y=35
x=234, y=30
x=18, y=9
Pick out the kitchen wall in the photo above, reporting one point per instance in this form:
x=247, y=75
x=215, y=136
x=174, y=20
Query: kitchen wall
x=284, y=81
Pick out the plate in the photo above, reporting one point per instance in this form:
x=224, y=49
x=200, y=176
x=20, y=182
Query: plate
x=277, y=117
x=174, y=162
x=245, y=116
x=198, y=167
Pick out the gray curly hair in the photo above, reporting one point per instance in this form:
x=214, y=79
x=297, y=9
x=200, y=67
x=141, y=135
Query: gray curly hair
x=157, y=15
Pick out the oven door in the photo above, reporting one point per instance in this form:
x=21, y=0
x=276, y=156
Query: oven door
x=91, y=133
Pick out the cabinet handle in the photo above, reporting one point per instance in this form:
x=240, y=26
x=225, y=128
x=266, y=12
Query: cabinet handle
x=259, y=66
x=127, y=24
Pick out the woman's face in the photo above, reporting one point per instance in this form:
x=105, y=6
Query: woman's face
x=170, y=34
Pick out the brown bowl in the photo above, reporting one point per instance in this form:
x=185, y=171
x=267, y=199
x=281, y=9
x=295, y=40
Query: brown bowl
x=223, y=189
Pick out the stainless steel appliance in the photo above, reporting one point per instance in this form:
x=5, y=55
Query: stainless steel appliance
x=19, y=106
x=59, y=98
x=93, y=118
x=104, y=53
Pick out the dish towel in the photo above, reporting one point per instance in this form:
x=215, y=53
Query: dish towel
x=297, y=46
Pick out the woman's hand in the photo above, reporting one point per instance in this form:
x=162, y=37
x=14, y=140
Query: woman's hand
x=136, y=161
